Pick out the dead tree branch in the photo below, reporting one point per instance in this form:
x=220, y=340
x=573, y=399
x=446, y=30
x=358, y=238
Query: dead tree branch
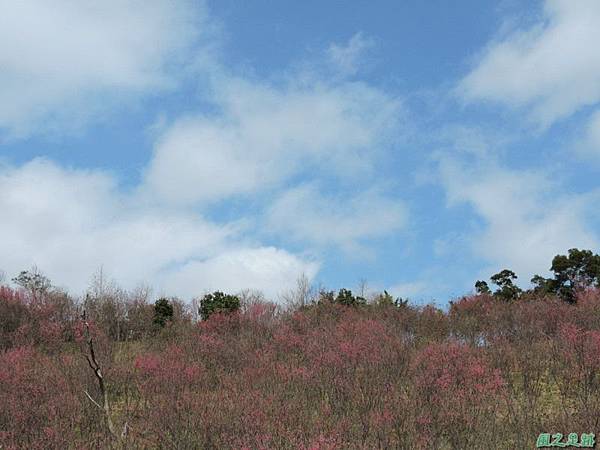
x=90, y=356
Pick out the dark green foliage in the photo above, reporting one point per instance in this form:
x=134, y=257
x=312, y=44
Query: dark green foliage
x=581, y=268
x=218, y=302
x=385, y=299
x=577, y=270
x=401, y=303
x=507, y=290
x=345, y=297
x=542, y=285
x=481, y=287
x=326, y=297
x=163, y=312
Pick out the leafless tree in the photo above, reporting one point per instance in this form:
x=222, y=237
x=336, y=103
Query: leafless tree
x=301, y=295
x=106, y=305
x=363, y=288
x=104, y=404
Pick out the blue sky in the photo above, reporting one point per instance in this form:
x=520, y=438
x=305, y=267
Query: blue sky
x=194, y=145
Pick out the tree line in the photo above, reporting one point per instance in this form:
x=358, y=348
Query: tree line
x=572, y=273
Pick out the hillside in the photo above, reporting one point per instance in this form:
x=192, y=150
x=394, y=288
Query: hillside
x=484, y=374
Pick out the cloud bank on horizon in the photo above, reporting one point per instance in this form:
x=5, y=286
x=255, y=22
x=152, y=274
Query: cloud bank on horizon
x=167, y=144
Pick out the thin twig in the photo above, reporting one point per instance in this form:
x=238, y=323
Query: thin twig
x=92, y=400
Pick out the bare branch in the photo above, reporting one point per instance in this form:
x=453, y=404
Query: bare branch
x=92, y=400
x=95, y=366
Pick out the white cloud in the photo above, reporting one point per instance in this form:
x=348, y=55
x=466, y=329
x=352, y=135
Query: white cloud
x=551, y=69
x=305, y=214
x=259, y=137
x=64, y=60
x=263, y=134
x=348, y=58
x=70, y=222
x=527, y=220
x=267, y=269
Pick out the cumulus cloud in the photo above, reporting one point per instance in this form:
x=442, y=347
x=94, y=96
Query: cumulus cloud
x=550, y=69
x=264, y=133
x=71, y=222
x=65, y=60
x=267, y=269
x=527, y=217
x=258, y=137
x=307, y=215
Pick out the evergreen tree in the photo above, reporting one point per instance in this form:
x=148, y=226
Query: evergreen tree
x=163, y=312
x=218, y=302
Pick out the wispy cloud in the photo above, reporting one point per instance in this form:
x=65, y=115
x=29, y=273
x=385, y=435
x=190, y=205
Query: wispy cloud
x=308, y=215
x=550, y=69
x=264, y=134
x=527, y=216
x=348, y=58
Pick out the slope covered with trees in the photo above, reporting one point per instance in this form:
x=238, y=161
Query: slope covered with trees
x=336, y=371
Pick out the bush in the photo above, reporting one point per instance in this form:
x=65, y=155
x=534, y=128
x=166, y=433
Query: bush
x=163, y=312
x=346, y=298
x=218, y=302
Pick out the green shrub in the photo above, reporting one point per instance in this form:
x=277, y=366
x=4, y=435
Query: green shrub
x=163, y=312
x=218, y=302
